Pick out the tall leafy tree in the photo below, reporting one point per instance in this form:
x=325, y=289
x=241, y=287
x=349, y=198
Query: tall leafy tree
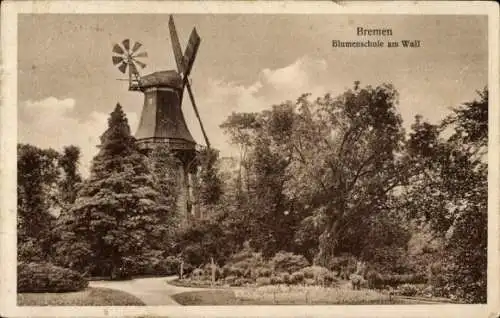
x=449, y=192
x=117, y=214
x=241, y=128
x=37, y=176
x=210, y=189
x=68, y=162
x=345, y=160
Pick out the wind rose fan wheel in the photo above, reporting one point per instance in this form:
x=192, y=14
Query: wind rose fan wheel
x=126, y=57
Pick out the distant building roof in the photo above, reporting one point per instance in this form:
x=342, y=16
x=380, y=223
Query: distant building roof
x=163, y=78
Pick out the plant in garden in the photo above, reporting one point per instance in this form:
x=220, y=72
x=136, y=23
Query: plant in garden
x=45, y=277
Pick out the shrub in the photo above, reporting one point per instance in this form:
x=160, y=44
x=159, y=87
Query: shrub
x=262, y=281
x=121, y=273
x=356, y=281
x=187, y=268
x=375, y=280
x=262, y=272
x=329, y=279
x=207, y=271
x=46, y=277
x=230, y=280
x=197, y=273
x=225, y=271
x=378, y=281
x=288, y=262
x=233, y=271
x=193, y=254
x=309, y=282
x=277, y=280
x=321, y=275
x=153, y=265
x=407, y=290
x=297, y=278
x=285, y=277
x=435, y=275
x=344, y=265
x=170, y=265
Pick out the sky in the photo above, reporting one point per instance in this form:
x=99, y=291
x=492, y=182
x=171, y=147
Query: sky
x=67, y=84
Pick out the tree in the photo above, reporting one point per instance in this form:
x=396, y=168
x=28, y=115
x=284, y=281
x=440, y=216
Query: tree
x=37, y=176
x=210, y=181
x=450, y=192
x=345, y=160
x=118, y=212
x=241, y=127
x=68, y=162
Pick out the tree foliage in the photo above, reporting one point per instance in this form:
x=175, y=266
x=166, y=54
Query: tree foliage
x=449, y=190
x=118, y=213
x=37, y=177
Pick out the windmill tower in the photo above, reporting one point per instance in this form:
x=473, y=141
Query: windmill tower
x=162, y=120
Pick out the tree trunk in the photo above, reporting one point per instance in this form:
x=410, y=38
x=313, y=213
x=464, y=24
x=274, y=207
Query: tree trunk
x=327, y=244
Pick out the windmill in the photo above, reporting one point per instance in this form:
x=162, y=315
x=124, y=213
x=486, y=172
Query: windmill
x=162, y=120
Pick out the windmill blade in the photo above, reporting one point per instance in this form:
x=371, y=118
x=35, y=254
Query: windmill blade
x=136, y=46
x=191, y=97
x=142, y=54
x=191, y=50
x=133, y=69
x=123, y=67
x=126, y=44
x=142, y=65
x=176, y=46
x=117, y=59
x=117, y=49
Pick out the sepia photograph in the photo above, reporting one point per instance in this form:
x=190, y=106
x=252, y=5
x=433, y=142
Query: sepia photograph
x=203, y=157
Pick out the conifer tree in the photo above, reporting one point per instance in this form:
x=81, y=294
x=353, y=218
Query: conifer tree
x=118, y=213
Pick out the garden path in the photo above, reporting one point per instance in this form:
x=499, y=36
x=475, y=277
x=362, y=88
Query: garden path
x=153, y=291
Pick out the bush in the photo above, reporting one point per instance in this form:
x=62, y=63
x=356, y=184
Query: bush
x=262, y=281
x=235, y=271
x=321, y=275
x=407, y=290
x=230, y=279
x=329, y=279
x=155, y=265
x=297, y=278
x=170, y=265
x=46, y=277
x=277, y=280
x=207, y=271
x=378, y=281
x=121, y=273
x=197, y=273
x=309, y=282
x=356, y=281
x=375, y=280
x=262, y=272
x=344, y=265
x=396, y=280
x=288, y=262
x=285, y=277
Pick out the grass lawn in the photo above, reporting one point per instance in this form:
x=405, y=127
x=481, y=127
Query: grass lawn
x=286, y=295
x=90, y=296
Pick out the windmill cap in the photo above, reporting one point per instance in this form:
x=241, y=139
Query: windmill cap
x=163, y=79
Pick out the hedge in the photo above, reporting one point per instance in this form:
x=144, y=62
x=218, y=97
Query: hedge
x=378, y=281
x=45, y=277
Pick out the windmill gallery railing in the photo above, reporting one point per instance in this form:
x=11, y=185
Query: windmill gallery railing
x=172, y=143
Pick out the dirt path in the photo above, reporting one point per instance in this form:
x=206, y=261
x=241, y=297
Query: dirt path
x=153, y=291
